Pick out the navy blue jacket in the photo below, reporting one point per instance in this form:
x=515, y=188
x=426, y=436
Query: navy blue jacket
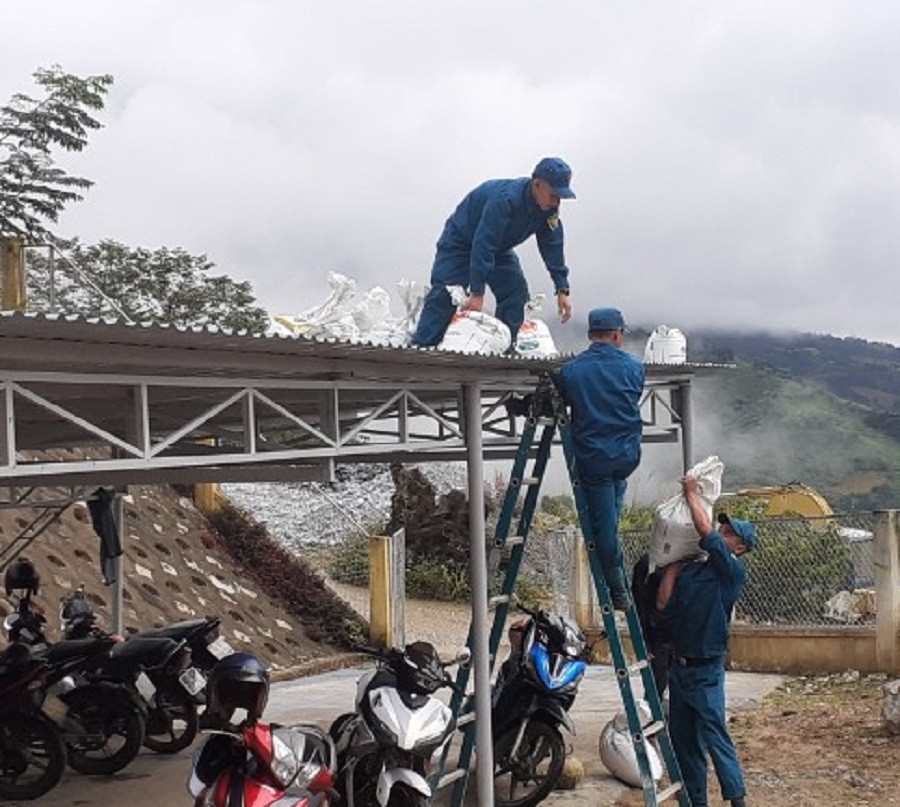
x=495, y=217
x=603, y=385
x=704, y=596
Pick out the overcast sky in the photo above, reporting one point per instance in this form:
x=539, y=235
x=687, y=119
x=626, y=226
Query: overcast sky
x=736, y=163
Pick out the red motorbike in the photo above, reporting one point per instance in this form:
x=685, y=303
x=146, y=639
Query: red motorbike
x=253, y=763
x=263, y=765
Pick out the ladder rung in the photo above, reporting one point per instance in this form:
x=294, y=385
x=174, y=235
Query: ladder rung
x=450, y=778
x=464, y=720
x=545, y=420
x=654, y=728
x=670, y=791
x=531, y=480
x=638, y=666
x=500, y=599
x=514, y=540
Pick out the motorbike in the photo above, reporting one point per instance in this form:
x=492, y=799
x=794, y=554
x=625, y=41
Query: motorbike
x=385, y=747
x=90, y=691
x=535, y=688
x=253, y=763
x=32, y=753
x=260, y=764
x=172, y=688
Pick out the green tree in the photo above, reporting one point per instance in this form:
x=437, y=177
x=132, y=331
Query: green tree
x=162, y=285
x=34, y=190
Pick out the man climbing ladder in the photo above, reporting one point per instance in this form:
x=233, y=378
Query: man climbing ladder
x=547, y=410
x=603, y=386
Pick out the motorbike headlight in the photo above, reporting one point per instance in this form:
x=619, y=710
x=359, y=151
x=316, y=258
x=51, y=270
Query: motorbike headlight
x=573, y=639
x=286, y=758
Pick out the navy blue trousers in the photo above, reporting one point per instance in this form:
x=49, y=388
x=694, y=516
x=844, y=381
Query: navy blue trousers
x=506, y=281
x=697, y=728
x=604, y=493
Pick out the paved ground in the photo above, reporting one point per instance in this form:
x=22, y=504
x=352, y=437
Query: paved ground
x=153, y=780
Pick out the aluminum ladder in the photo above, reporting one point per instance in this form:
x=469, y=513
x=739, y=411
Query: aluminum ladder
x=546, y=416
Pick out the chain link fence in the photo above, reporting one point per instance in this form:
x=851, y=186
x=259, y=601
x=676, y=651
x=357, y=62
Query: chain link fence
x=805, y=572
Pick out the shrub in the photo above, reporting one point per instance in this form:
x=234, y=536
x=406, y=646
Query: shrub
x=288, y=579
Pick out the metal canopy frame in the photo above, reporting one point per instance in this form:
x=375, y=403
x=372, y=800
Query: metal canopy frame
x=154, y=405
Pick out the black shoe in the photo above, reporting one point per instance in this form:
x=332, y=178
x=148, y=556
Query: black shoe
x=739, y=802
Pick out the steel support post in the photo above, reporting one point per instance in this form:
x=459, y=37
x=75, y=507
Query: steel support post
x=484, y=751
x=686, y=410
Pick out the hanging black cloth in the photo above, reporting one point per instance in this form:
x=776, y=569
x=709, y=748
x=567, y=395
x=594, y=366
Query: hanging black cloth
x=100, y=505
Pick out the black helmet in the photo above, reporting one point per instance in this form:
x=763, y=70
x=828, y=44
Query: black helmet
x=238, y=681
x=22, y=575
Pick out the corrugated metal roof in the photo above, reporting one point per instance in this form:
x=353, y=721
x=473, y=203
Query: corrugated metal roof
x=61, y=343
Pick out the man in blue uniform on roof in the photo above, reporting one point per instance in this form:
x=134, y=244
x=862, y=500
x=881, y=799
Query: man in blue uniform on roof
x=700, y=607
x=603, y=386
x=476, y=249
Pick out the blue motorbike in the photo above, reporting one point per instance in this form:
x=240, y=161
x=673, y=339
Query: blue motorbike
x=535, y=689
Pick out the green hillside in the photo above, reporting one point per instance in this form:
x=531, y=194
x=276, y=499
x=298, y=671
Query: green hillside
x=770, y=428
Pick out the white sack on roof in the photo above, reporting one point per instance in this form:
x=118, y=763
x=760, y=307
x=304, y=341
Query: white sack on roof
x=474, y=331
x=534, y=337
x=344, y=316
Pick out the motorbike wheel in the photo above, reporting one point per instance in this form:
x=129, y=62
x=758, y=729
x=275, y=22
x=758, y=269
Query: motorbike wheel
x=122, y=732
x=173, y=724
x=403, y=796
x=527, y=777
x=32, y=756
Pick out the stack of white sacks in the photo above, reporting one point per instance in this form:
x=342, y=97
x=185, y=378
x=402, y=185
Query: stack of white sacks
x=368, y=318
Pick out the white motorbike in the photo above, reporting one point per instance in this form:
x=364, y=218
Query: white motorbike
x=386, y=746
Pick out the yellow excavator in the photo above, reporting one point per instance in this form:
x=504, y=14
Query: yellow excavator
x=793, y=498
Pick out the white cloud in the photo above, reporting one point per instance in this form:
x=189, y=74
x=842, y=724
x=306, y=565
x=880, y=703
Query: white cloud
x=735, y=162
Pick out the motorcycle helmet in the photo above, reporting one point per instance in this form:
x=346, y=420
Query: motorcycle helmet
x=238, y=681
x=22, y=575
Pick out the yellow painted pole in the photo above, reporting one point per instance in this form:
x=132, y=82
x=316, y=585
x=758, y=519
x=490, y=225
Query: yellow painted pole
x=12, y=264
x=380, y=632
x=207, y=495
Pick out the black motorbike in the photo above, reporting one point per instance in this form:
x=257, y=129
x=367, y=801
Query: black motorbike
x=101, y=721
x=173, y=685
x=32, y=753
x=535, y=689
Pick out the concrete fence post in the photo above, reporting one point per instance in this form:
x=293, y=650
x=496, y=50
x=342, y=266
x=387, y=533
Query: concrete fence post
x=397, y=591
x=583, y=592
x=380, y=626
x=887, y=590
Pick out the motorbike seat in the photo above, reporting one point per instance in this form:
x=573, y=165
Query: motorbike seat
x=146, y=650
x=72, y=648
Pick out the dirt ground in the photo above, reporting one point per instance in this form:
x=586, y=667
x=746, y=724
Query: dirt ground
x=816, y=740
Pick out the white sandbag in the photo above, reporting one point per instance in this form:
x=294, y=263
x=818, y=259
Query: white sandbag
x=673, y=536
x=534, y=337
x=617, y=749
x=476, y=332
x=344, y=316
x=666, y=346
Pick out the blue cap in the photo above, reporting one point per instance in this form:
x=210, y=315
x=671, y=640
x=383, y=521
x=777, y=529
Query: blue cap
x=606, y=319
x=557, y=173
x=744, y=529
